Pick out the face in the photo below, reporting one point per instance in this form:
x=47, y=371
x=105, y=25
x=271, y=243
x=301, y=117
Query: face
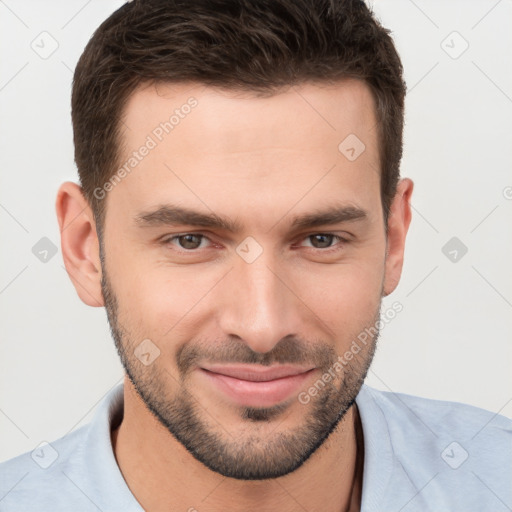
x=243, y=253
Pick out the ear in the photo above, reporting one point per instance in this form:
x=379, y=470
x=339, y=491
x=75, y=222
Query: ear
x=398, y=224
x=79, y=243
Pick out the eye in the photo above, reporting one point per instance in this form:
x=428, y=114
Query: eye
x=186, y=241
x=191, y=242
x=325, y=240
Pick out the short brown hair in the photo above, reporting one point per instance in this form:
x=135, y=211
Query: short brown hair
x=254, y=45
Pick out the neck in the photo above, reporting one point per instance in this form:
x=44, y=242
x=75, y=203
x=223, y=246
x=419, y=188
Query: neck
x=162, y=474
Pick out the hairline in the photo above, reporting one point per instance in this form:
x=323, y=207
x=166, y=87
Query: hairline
x=99, y=208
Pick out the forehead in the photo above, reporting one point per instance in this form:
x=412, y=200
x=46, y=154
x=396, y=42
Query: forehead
x=223, y=149
x=248, y=118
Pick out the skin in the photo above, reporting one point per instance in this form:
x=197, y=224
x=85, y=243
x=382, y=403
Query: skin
x=260, y=161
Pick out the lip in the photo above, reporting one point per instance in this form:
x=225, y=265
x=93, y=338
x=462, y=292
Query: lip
x=256, y=386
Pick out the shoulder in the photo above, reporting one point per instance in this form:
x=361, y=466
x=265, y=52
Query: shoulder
x=76, y=472
x=38, y=473
x=413, y=421
x=441, y=452
x=401, y=409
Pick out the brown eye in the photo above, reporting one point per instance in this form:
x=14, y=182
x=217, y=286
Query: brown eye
x=186, y=241
x=325, y=242
x=321, y=240
x=190, y=241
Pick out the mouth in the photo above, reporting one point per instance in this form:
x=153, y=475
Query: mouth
x=255, y=385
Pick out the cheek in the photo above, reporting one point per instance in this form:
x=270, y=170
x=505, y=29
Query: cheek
x=159, y=301
x=345, y=296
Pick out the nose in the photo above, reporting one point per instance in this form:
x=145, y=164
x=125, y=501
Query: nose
x=259, y=305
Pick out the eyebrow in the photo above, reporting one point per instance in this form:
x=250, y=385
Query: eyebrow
x=172, y=215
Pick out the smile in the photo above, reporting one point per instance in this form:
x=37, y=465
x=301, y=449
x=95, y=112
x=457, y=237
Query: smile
x=254, y=385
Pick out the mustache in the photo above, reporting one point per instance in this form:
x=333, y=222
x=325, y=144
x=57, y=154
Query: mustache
x=288, y=350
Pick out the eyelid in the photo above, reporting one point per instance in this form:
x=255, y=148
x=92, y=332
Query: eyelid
x=341, y=240
x=167, y=239
x=340, y=234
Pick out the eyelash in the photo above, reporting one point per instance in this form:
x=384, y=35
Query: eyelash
x=328, y=250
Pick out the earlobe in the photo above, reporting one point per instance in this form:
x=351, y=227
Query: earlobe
x=79, y=243
x=398, y=225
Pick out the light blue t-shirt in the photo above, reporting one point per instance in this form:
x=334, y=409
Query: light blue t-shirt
x=420, y=455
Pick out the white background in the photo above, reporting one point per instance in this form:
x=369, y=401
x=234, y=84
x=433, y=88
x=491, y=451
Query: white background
x=452, y=339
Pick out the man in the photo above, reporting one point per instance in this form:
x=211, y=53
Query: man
x=240, y=215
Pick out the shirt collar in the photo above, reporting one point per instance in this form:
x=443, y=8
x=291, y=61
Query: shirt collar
x=111, y=492
x=378, y=452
